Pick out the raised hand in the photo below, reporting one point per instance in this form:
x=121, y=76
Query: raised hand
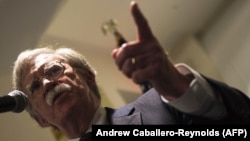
x=144, y=59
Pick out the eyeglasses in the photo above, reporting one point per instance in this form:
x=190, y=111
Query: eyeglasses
x=51, y=71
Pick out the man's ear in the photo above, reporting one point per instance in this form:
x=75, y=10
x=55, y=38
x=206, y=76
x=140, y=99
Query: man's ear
x=42, y=122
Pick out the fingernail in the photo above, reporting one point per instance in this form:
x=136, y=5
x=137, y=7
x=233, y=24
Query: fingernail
x=124, y=44
x=132, y=3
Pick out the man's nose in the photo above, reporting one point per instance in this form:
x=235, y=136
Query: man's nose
x=46, y=80
x=47, y=84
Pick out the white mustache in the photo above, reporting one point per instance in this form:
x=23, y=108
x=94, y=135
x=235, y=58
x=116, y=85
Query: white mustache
x=58, y=89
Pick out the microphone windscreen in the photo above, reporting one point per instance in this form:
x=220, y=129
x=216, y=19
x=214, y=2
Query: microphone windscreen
x=20, y=100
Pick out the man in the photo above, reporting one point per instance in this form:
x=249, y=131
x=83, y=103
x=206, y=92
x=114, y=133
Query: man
x=62, y=90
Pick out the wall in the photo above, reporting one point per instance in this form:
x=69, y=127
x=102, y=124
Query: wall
x=227, y=42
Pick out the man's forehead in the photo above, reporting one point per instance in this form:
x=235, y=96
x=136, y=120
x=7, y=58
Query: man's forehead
x=45, y=58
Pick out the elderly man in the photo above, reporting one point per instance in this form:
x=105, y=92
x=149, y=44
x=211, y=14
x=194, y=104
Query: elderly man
x=63, y=93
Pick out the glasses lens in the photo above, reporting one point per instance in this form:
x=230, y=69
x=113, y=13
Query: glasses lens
x=53, y=70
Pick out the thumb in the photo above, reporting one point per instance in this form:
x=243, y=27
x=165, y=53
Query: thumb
x=143, y=30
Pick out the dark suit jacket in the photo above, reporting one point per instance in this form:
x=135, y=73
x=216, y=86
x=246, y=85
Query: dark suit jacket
x=149, y=109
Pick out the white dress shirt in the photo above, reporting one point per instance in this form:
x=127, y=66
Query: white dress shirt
x=199, y=99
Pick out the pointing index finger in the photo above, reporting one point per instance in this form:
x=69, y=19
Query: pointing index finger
x=143, y=29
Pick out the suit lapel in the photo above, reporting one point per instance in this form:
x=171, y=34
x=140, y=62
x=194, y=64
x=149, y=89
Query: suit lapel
x=134, y=119
x=123, y=116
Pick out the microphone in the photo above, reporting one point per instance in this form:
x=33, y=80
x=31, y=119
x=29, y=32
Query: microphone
x=16, y=101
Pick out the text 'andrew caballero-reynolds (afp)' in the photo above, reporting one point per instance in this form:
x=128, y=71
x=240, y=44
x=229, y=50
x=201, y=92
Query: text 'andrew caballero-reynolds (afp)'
x=168, y=131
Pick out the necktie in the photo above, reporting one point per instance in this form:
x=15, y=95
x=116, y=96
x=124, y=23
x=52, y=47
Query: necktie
x=86, y=137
